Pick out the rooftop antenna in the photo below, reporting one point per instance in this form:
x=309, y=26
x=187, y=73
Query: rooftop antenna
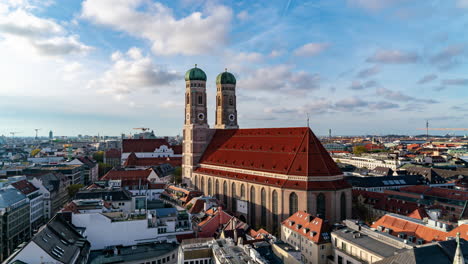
x=307, y=119
x=427, y=130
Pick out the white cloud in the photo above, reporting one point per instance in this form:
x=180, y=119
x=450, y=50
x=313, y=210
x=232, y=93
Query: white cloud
x=393, y=57
x=132, y=72
x=280, y=77
x=275, y=53
x=462, y=3
x=44, y=36
x=242, y=16
x=311, y=49
x=197, y=33
x=372, y=4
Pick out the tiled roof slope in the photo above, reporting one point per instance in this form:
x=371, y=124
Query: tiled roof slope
x=133, y=160
x=291, y=151
x=24, y=186
x=142, y=145
x=312, y=228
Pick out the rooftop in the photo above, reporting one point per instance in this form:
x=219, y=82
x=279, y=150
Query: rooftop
x=135, y=253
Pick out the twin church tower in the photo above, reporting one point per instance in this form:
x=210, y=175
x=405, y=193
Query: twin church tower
x=197, y=133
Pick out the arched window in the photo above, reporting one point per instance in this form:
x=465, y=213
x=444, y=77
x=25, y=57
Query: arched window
x=274, y=210
x=210, y=193
x=343, y=206
x=293, y=204
x=233, y=198
x=188, y=99
x=217, y=189
x=200, y=99
x=321, y=209
x=202, y=184
x=231, y=101
x=252, y=206
x=225, y=193
x=242, y=193
x=264, y=209
x=195, y=183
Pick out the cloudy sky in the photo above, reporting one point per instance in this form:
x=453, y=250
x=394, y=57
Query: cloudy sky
x=355, y=66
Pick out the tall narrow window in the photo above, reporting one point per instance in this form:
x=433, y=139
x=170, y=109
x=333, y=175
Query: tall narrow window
x=293, y=204
x=264, y=209
x=233, y=198
x=196, y=182
x=202, y=184
x=225, y=193
x=321, y=209
x=252, y=207
x=343, y=206
x=210, y=193
x=217, y=189
x=242, y=192
x=200, y=99
x=188, y=99
x=218, y=101
x=274, y=210
x=231, y=101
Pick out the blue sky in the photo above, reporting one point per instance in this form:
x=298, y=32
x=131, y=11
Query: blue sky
x=355, y=66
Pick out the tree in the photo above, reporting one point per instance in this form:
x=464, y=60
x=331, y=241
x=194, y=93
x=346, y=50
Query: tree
x=98, y=156
x=178, y=175
x=34, y=152
x=103, y=168
x=358, y=150
x=73, y=189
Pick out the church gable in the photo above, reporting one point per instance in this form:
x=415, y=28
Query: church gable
x=291, y=151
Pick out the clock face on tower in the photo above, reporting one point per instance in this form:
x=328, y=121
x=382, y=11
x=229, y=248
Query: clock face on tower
x=201, y=116
x=232, y=117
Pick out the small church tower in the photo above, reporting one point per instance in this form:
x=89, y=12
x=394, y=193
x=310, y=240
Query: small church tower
x=226, y=110
x=196, y=129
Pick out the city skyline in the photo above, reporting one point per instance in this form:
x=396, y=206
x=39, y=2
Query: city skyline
x=106, y=72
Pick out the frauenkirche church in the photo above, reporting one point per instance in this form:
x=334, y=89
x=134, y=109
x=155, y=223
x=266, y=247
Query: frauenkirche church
x=261, y=175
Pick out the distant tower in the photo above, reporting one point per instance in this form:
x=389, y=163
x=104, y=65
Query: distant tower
x=329, y=132
x=196, y=129
x=51, y=135
x=427, y=130
x=226, y=110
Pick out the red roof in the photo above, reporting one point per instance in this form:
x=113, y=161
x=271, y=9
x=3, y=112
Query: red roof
x=24, y=187
x=142, y=145
x=413, y=228
x=133, y=160
x=113, y=153
x=437, y=192
x=419, y=213
x=177, y=149
x=307, y=226
x=291, y=151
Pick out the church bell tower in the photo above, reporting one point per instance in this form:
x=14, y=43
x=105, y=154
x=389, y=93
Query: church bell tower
x=196, y=129
x=226, y=110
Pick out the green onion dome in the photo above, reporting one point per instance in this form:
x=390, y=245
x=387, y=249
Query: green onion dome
x=195, y=74
x=225, y=78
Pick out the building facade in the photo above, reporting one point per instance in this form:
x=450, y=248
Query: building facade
x=260, y=175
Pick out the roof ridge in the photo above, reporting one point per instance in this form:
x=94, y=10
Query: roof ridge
x=297, y=151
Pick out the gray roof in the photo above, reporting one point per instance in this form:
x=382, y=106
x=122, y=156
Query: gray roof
x=384, y=181
x=371, y=244
x=440, y=253
x=9, y=196
x=105, y=194
x=61, y=241
x=165, y=212
x=136, y=253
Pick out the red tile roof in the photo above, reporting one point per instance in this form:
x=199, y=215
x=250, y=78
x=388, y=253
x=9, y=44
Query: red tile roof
x=419, y=213
x=24, y=187
x=412, y=228
x=437, y=192
x=142, y=145
x=291, y=151
x=283, y=183
x=113, y=153
x=133, y=160
x=307, y=226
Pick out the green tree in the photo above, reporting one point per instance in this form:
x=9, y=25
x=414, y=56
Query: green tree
x=73, y=189
x=34, y=152
x=103, y=168
x=178, y=175
x=358, y=150
x=98, y=156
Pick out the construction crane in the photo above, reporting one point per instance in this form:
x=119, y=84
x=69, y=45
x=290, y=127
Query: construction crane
x=144, y=129
x=14, y=133
x=37, y=129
